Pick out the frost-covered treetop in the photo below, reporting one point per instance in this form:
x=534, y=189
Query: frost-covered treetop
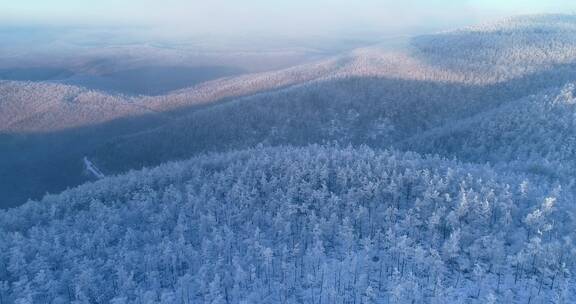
x=293, y=225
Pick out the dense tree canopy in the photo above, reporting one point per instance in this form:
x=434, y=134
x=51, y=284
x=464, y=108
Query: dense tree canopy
x=312, y=225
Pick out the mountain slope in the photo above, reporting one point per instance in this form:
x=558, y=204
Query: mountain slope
x=375, y=97
x=485, y=54
x=40, y=107
x=368, y=96
x=47, y=129
x=536, y=132
x=311, y=225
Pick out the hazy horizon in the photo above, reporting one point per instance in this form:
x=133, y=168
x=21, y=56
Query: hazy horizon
x=299, y=18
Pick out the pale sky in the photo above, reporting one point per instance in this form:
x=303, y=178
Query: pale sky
x=283, y=16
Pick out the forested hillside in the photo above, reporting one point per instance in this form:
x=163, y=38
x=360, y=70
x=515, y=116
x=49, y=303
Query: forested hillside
x=535, y=134
x=376, y=97
x=295, y=225
x=27, y=107
x=42, y=107
x=46, y=129
x=368, y=96
x=442, y=173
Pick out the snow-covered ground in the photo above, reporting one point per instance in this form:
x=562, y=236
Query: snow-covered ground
x=90, y=167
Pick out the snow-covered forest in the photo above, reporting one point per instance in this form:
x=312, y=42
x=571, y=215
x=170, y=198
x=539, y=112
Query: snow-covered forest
x=290, y=225
x=439, y=173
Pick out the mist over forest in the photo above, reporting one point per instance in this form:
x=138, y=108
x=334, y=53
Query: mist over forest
x=408, y=160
